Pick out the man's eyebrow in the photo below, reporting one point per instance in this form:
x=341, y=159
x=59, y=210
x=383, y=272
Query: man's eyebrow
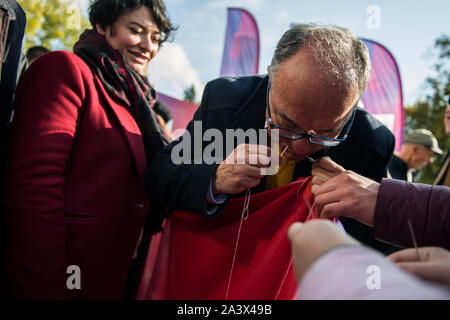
x=287, y=119
x=318, y=132
x=335, y=129
x=339, y=127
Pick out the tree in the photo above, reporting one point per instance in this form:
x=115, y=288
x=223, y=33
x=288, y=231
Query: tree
x=190, y=94
x=429, y=112
x=55, y=24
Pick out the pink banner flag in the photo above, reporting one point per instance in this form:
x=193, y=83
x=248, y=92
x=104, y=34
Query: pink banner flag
x=182, y=112
x=383, y=97
x=241, y=53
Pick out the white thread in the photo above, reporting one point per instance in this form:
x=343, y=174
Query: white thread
x=301, y=187
x=244, y=216
x=285, y=149
x=310, y=208
x=292, y=259
x=284, y=278
x=246, y=204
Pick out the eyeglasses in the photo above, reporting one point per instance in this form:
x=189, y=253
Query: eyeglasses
x=296, y=135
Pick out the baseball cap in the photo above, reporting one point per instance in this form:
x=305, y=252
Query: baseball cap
x=424, y=138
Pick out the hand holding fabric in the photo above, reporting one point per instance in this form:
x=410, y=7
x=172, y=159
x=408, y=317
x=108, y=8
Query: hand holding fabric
x=434, y=263
x=345, y=195
x=325, y=169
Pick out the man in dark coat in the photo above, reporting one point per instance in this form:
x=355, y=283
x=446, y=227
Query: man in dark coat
x=317, y=75
x=418, y=150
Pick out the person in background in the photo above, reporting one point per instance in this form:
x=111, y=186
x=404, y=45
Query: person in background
x=83, y=136
x=417, y=151
x=13, y=22
x=12, y=28
x=443, y=177
x=35, y=52
x=331, y=265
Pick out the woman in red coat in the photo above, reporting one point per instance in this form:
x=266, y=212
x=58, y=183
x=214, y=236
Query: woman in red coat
x=84, y=133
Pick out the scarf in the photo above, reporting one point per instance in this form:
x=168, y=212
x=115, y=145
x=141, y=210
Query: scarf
x=125, y=86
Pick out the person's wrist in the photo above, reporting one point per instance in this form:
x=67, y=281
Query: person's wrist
x=370, y=211
x=215, y=185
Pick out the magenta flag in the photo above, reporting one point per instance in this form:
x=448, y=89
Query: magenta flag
x=241, y=53
x=182, y=112
x=383, y=97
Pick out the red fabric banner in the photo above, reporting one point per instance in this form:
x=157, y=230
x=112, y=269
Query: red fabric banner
x=193, y=257
x=182, y=112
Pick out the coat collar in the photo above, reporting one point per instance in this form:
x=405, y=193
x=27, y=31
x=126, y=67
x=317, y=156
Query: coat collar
x=252, y=114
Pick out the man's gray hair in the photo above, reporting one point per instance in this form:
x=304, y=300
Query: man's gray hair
x=344, y=58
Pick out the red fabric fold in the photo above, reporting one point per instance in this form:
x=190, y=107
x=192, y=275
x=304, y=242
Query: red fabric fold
x=192, y=258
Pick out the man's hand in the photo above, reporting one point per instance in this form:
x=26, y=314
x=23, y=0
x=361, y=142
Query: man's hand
x=434, y=265
x=347, y=194
x=324, y=169
x=243, y=169
x=311, y=240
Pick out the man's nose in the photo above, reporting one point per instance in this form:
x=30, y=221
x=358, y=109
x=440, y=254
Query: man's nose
x=302, y=145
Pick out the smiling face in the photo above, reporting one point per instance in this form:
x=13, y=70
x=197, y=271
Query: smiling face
x=303, y=100
x=136, y=36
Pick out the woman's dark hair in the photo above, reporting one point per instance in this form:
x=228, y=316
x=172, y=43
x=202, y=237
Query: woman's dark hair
x=106, y=13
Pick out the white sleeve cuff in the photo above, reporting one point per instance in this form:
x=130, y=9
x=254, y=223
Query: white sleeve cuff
x=218, y=199
x=215, y=201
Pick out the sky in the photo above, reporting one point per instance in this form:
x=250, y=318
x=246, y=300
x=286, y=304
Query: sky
x=407, y=28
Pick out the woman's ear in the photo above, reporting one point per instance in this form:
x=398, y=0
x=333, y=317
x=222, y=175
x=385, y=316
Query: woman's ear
x=100, y=29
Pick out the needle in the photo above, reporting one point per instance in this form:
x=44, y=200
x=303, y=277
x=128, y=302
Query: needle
x=285, y=149
x=311, y=160
x=411, y=230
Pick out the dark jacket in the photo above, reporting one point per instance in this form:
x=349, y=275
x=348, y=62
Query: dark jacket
x=240, y=103
x=398, y=169
x=428, y=208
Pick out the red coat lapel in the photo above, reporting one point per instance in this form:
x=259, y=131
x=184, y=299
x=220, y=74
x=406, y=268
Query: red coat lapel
x=129, y=128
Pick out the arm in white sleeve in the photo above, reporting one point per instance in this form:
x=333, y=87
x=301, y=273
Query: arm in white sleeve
x=359, y=273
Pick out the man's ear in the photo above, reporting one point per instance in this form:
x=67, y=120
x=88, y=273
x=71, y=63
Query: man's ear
x=100, y=29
